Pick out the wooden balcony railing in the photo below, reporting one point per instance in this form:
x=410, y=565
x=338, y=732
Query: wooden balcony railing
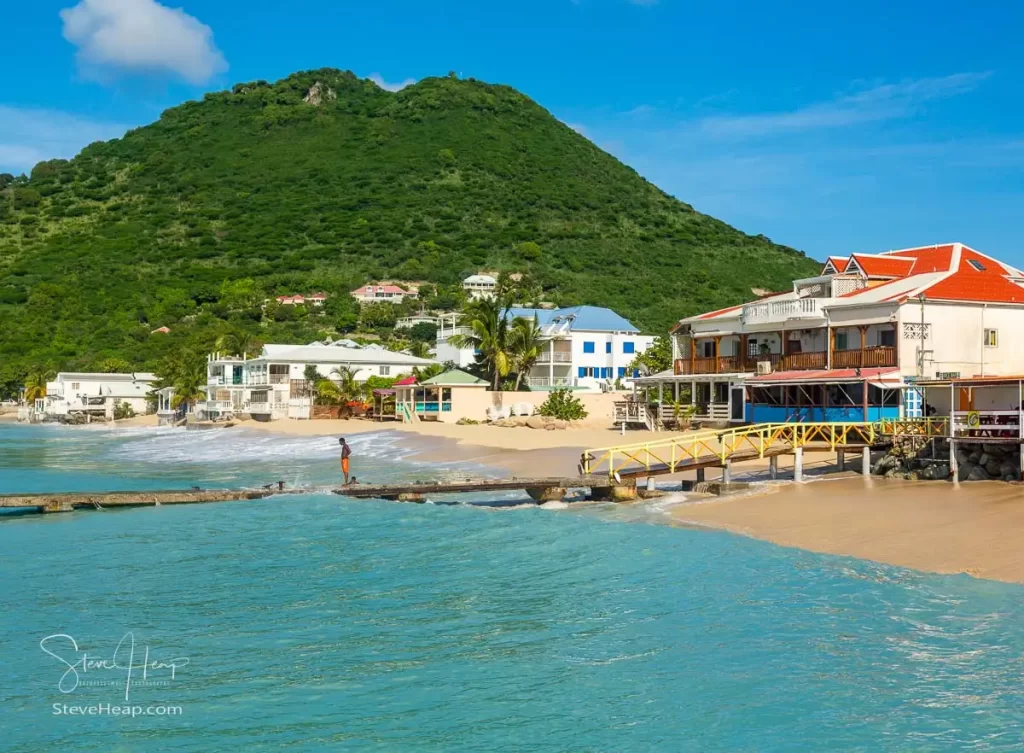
x=841, y=359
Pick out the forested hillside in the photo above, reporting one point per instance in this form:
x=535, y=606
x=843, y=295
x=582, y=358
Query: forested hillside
x=323, y=181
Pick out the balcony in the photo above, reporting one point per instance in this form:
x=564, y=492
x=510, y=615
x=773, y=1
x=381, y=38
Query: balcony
x=779, y=312
x=877, y=357
x=559, y=356
x=546, y=382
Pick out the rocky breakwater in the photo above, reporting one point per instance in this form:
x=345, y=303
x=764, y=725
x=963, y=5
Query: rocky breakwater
x=975, y=462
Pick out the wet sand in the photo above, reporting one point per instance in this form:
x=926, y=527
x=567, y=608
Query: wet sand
x=973, y=528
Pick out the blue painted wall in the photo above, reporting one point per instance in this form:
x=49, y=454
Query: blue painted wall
x=771, y=414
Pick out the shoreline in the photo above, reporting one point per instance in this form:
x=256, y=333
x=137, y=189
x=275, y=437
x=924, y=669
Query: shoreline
x=928, y=526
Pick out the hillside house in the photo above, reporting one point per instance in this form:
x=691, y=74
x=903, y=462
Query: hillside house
x=382, y=294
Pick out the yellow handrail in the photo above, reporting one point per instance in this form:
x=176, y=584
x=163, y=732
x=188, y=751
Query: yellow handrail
x=671, y=452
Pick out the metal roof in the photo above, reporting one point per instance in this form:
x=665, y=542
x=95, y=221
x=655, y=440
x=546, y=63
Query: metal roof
x=578, y=319
x=454, y=378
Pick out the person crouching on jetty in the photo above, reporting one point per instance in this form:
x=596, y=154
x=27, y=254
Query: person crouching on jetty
x=346, y=451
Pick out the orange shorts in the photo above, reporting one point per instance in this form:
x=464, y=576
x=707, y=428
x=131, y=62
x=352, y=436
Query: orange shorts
x=344, y=465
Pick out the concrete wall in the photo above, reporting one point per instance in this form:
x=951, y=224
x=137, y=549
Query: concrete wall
x=473, y=402
x=955, y=336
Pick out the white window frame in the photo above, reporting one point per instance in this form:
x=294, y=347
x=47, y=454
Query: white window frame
x=991, y=337
x=385, y=371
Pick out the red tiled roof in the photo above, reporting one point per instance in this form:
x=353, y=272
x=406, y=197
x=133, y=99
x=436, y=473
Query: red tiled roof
x=824, y=375
x=883, y=266
x=838, y=262
x=379, y=289
x=927, y=258
x=969, y=283
x=712, y=314
x=405, y=381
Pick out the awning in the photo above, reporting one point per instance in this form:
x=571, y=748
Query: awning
x=668, y=377
x=884, y=378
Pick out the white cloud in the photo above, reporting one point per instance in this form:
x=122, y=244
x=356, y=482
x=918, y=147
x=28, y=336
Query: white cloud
x=580, y=129
x=379, y=81
x=30, y=135
x=878, y=103
x=141, y=36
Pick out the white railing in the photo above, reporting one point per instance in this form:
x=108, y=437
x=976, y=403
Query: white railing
x=549, y=382
x=443, y=334
x=559, y=356
x=1004, y=424
x=767, y=312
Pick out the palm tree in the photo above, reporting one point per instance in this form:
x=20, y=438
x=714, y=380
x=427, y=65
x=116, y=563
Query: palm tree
x=188, y=381
x=524, y=346
x=427, y=372
x=35, y=384
x=238, y=343
x=489, y=327
x=340, y=389
x=419, y=349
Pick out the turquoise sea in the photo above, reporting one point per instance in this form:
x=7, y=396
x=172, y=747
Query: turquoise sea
x=315, y=623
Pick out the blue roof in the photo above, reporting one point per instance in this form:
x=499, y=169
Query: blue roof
x=584, y=318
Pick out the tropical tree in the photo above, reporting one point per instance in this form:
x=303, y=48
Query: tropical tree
x=418, y=349
x=35, y=383
x=488, y=323
x=427, y=372
x=524, y=346
x=656, y=358
x=341, y=388
x=188, y=381
x=114, y=366
x=238, y=343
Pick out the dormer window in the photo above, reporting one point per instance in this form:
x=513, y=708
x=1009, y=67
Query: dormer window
x=976, y=264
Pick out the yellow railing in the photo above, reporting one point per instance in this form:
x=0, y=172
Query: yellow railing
x=675, y=452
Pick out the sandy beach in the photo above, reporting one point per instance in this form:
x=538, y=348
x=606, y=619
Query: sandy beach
x=936, y=526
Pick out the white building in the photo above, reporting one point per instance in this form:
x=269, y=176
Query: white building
x=479, y=286
x=383, y=294
x=584, y=346
x=849, y=343
x=408, y=322
x=273, y=385
x=96, y=395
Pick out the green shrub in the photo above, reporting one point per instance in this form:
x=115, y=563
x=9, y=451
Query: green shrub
x=561, y=404
x=122, y=411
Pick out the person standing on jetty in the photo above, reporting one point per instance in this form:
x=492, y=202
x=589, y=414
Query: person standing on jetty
x=346, y=451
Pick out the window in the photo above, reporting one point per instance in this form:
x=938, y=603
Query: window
x=887, y=338
x=752, y=346
x=628, y=347
x=709, y=348
x=74, y=385
x=842, y=340
x=976, y=264
x=385, y=371
x=991, y=338
x=607, y=347
x=588, y=371
x=622, y=371
x=588, y=347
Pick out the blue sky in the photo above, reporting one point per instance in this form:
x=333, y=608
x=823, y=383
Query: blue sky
x=831, y=129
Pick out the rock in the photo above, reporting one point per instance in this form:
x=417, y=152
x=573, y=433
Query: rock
x=520, y=421
x=1006, y=468
x=994, y=468
x=935, y=472
x=996, y=450
x=975, y=456
x=884, y=464
x=985, y=459
x=964, y=470
x=536, y=422
x=560, y=424
x=318, y=93
x=550, y=427
x=978, y=473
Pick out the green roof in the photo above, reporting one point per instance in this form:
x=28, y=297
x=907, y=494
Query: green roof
x=454, y=377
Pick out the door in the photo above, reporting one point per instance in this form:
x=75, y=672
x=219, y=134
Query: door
x=965, y=399
x=738, y=407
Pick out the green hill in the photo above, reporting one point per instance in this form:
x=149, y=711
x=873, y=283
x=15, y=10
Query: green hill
x=323, y=181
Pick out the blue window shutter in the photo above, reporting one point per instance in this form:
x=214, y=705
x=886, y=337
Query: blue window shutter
x=636, y=373
x=583, y=371
x=622, y=371
x=628, y=347
x=607, y=347
x=588, y=347
x=604, y=372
